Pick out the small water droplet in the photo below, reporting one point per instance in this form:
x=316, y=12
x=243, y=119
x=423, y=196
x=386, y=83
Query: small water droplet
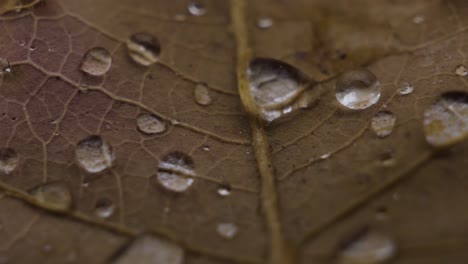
x=94, y=155
x=151, y=249
x=277, y=87
x=383, y=122
x=224, y=190
x=180, y=17
x=418, y=19
x=104, y=208
x=264, y=22
x=206, y=148
x=325, y=156
x=176, y=172
x=143, y=48
x=406, y=89
x=369, y=248
x=202, y=95
x=47, y=248
x=196, y=8
x=150, y=124
x=32, y=48
x=8, y=160
x=174, y=122
x=54, y=195
x=446, y=121
x=96, y=62
x=461, y=70
x=226, y=230
x=357, y=89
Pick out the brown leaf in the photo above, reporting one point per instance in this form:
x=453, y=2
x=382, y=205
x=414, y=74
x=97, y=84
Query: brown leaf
x=299, y=189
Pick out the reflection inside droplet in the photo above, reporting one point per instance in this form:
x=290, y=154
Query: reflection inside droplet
x=357, y=89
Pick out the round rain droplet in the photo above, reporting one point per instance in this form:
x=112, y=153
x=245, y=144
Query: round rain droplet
x=196, y=8
x=151, y=249
x=104, y=208
x=357, y=89
x=176, y=172
x=264, y=23
x=406, y=89
x=150, y=124
x=446, y=121
x=383, y=122
x=143, y=48
x=96, y=62
x=94, y=155
x=227, y=230
x=202, y=95
x=461, y=70
x=54, y=195
x=370, y=248
x=8, y=160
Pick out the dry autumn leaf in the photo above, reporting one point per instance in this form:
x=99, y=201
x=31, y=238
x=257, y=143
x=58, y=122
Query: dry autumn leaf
x=234, y=131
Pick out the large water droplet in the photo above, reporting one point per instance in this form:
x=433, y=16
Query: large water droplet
x=149, y=249
x=446, y=121
x=8, y=160
x=276, y=87
x=461, y=70
x=196, y=8
x=150, y=124
x=97, y=61
x=54, y=195
x=202, y=94
x=143, y=48
x=369, y=248
x=176, y=171
x=226, y=230
x=94, y=155
x=383, y=122
x=104, y=208
x=357, y=89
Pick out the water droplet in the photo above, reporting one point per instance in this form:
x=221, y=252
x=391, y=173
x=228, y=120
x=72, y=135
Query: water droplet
x=54, y=195
x=8, y=160
x=383, y=122
x=406, y=89
x=418, y=19
x=97, y=61
x=150, y=249
x=176, y=172
x=104, y=208
x=32, y=48
x=143, y=48
x=206, y=148
x=369, y=248
x=150, y=124
x=226, y=230
x=461, y=70
x=325, y=156
x=264, y=22
x=357, y=89
x=202, y=95
x=195, y=8
x=446, y=121
x=180, y=17
x=4, y=66
x=224, y=190
x=94, y=155
x=276, y=87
